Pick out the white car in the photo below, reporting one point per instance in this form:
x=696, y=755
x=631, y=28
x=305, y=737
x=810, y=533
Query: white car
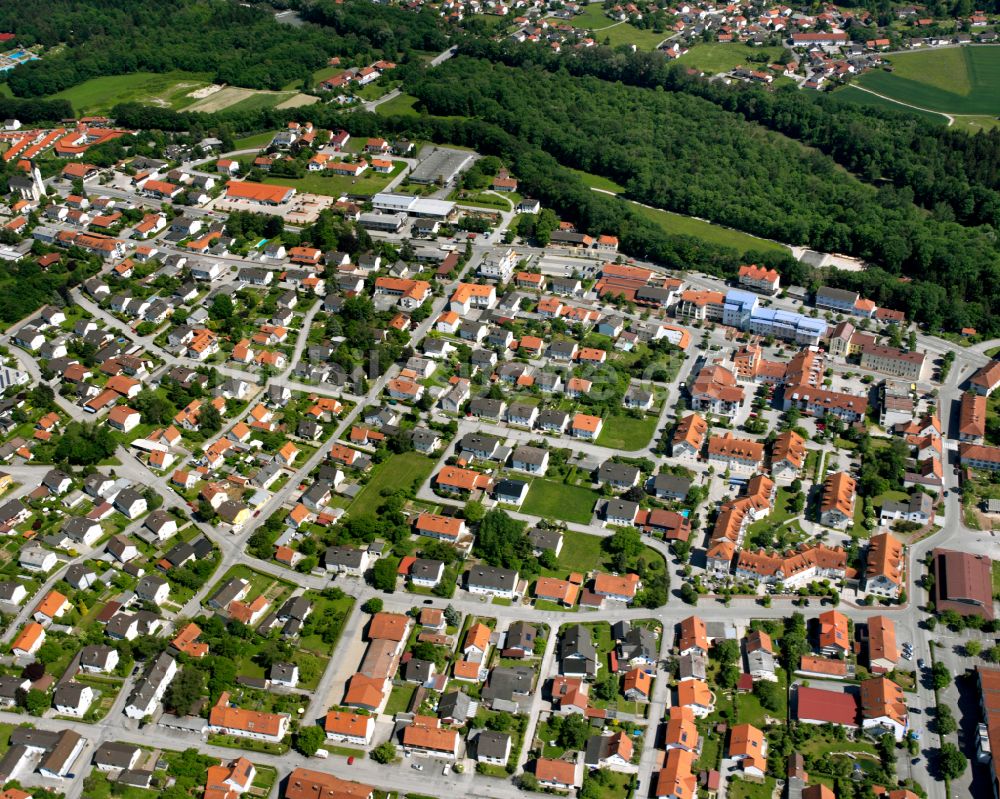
x=447, y=769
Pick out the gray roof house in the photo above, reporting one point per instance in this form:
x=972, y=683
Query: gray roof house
x=577, y=654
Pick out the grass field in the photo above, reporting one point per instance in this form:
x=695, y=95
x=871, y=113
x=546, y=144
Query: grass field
x=400, y=105
x=598, y=182
x=593, y=17
x=608, y=31
x=959, y=80
x=255, y=141
x=713, y=57
x=626, y=432
x=398, y=471
x=689, y=226
x=552, y=500
x=580, y=552
x=167, y=89
x=335, y=185
x=624, y=33
x=853, y=95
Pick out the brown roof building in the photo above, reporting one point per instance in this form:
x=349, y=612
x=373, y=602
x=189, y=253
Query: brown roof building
x=837, y=504
x=972, y=418
x=304, y=783
x=963, y=583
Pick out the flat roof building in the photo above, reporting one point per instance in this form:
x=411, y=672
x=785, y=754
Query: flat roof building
x=441, y=165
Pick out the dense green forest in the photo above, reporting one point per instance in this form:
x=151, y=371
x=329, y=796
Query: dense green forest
x=391, y=29
x=678, y=151
x=235, y=43
x=948, y=171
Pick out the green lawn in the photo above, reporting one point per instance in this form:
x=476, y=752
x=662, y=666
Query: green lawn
x=370, y=182
x=260, y=583
x=401, y=105
x=741, y=789
x=625, y=33
x=960, y=80
x=399, y=699
x=821, y=745
x=99, y=787
x=750, y=711
x=580, y=552
x=626, y=432
x=256, y=141
x=593, y=17
x=780, y=514
x=373, y=91
x=397, y=471
x=681, y=225
x=711, y=749
x=553, y=500
x=168, y=88
x=5, y=731
x=714, y=57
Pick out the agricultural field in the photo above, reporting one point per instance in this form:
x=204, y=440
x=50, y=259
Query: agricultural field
x=855, y=95
x=167, y=90
x=714, y=57
x=960, y=80
x=233, y=98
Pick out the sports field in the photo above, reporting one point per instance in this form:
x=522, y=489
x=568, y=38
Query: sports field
x=956, y=80
x=166, y=89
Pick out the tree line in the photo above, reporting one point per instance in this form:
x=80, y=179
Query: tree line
x=680, y=151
